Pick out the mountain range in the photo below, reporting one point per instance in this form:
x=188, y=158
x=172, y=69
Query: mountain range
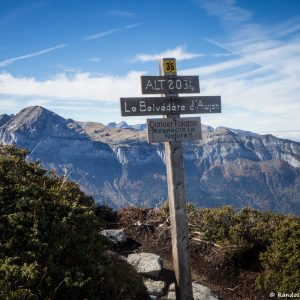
x=124, y=125
x=115, y=164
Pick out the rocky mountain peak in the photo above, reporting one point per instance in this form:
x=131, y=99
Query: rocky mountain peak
x=122, y=124
x=4, y=119
x=112, y=125
x=38, y=122
x=34, y=118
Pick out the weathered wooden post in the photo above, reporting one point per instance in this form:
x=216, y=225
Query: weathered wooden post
x=172, y=130
x=177, y=204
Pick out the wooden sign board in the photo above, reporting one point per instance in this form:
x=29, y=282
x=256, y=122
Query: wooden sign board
x=166, y=106
x=174, y=129
x=170, y=84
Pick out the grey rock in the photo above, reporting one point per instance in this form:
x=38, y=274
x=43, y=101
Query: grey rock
x=5, y=118
x=200, y=292
x=155, y=288
x=139, y=127
x=146, y=263
x=112, y=125
x=115, y=235
x=123, y=125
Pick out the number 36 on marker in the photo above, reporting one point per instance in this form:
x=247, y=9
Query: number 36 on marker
x=169, y=66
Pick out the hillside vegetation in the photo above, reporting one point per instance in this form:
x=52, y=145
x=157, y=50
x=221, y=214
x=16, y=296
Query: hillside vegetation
x=50, y=246
x=244, y=254
x=249, y=239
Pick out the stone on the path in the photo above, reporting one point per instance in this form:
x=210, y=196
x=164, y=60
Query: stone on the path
x=200, y=292
x=146, y=263
x=155, y=288
x=115, y=235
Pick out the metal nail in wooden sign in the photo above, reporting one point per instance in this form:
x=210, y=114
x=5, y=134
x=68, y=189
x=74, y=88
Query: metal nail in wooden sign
x=173, y=130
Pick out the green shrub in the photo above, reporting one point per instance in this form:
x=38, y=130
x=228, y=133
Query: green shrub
x=266, y=242
x=281, y=261
x=50, y=247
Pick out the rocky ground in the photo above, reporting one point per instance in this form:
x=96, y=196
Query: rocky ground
x=148, y=231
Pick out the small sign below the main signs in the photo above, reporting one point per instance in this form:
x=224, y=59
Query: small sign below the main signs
x=174, y=129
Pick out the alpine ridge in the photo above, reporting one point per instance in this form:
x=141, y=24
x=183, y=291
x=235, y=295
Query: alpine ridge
x=118, y=166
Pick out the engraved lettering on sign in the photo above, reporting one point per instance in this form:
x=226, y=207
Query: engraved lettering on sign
x=173, y=129
x=170, y=84
x=159, y=106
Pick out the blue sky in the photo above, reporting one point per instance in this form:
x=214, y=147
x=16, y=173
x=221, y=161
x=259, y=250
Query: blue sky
x=77, y=58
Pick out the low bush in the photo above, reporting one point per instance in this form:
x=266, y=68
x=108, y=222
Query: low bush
x=50, y=247
x=265, y=242
x=281, y=261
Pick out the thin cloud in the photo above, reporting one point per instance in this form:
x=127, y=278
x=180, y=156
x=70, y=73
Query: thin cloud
x=10, y=61
x=95, y=59
x=179, y=53
x=66, y=69
x=290, y=27
x=226, y=10
x=286, y=134
x=121, y=13
x=214, y=69
x=218, y=54
x=130, y=26
x=102, y=34
x=110, y=32
x=8, y=104
x=18, y=12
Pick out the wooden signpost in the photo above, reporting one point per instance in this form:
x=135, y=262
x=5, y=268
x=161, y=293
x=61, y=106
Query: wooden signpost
x=172, y=130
